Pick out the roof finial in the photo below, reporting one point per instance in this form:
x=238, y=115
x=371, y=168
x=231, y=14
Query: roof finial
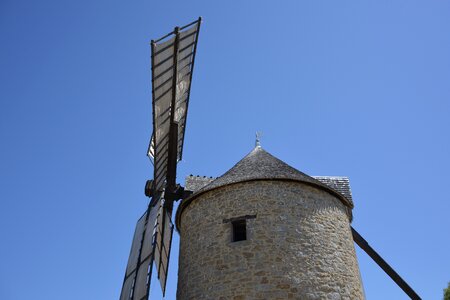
x=258, y=139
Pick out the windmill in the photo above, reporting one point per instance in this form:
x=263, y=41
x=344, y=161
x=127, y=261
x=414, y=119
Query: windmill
x=172, y=62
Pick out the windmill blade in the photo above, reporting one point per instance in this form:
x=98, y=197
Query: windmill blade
x=163, y=245
x=172, y=68
x=130, y=273
x=185, y=68
x=136, y=284
x=151, y=149
x=173, y=59
x=364, y=245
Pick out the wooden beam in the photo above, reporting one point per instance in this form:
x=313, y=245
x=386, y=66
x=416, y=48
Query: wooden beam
x=364, y=245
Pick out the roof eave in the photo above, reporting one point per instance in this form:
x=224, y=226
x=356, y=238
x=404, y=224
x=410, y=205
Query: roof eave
x=184, y=203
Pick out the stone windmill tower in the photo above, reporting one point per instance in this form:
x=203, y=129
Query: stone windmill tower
x=265, y=230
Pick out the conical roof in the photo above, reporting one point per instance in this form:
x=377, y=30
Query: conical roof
x=261, y=165
x=258, y=164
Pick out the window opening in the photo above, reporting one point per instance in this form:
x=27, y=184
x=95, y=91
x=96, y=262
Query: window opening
x=239, y=230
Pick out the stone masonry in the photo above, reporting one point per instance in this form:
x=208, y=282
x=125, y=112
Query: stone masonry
x=299, y=246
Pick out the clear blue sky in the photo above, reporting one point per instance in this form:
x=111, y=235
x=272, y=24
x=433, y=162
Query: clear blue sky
x=354, y=88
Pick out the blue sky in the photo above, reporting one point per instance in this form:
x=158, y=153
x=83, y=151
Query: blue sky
x=353, y=88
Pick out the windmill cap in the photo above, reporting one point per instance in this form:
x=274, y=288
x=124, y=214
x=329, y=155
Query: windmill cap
x=261, y=165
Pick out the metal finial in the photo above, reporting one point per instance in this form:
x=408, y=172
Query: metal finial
x=258, y=139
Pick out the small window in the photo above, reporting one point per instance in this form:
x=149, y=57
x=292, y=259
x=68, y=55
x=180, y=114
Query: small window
x=239, y=230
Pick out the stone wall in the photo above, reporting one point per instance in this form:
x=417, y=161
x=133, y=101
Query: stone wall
x=299, y=246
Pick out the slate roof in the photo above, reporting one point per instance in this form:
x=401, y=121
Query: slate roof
x=338, y=183
x=195, y=183
x=261, y=165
